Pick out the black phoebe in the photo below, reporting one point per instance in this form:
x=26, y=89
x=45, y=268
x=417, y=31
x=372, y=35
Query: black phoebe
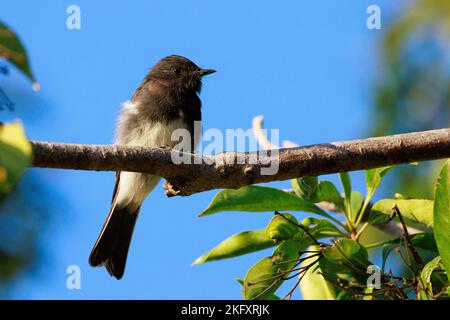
x=167, y=99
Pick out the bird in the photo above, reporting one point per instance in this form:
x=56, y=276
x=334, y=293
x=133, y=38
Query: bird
x=166, y=100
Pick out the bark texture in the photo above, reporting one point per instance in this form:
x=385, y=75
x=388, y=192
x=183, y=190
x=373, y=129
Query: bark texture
x=234, y=170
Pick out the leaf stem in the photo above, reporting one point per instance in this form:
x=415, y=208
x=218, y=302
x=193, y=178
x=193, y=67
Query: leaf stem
x=361, y=231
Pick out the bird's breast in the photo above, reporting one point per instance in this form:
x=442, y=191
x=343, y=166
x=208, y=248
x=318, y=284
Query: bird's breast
x=136, y=129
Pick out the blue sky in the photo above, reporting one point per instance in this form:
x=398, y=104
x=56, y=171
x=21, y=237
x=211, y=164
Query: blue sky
x=307, y=66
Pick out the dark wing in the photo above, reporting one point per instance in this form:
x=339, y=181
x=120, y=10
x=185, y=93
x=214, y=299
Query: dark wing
x=116, y=186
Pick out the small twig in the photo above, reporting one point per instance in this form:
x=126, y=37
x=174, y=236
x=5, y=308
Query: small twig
x=356, y=268
x=296, y=260
x=300, y=226
x=301, y=269
x=405, y=262
x=355, y=292
x=400, y=291
x=301, y=275
x=290, y=292
x=409, y=243
x=440, y=293
x=266, y=289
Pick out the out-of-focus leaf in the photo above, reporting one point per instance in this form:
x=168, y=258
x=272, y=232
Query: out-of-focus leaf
x=442, y=215
x=313, y=285
x=11, y=48
x=260, y=199
x=401, y=196
x=236, y=245
x=425, y=278
x=305, y=187
x=15, y=155
x=262, y=279
x=368, y=292
x=343, y=295
x=415, y=211
x=10, y=265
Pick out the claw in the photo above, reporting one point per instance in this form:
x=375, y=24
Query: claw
x=171, y=190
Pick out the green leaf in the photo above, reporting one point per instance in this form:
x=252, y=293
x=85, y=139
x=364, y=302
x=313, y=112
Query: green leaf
x=236, y=245
x=343, y=259
x=441, y=216
x=373, y=179
x=414, y=211
x=347, y=251
x=321, y=228
x=308, y=189
x=356, y=204
x=263, y=278
x=305, y=187
x=344, y=295
x=279, y=228
x=15, y=155
x=326, y=191
x=425, y=278
x=347, y=186
x=260, y=199
x=423, y=241
x=11, y=49
x=313, y=285
x=385, y=253
x=368, y=292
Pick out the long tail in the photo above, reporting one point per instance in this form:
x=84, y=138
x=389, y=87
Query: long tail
x=111, y=247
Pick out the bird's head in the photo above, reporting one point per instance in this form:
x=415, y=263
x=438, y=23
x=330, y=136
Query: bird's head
x=179, y=72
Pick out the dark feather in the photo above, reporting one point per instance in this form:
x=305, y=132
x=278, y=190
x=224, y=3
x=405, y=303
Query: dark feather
x=111, y=247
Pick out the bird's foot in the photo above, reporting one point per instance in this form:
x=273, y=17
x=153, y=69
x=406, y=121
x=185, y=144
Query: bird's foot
x=171, y=190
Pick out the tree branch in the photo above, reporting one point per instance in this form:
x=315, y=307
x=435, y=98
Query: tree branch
x=234, y=170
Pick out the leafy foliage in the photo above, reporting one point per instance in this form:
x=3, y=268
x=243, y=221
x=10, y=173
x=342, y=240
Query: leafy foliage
x=326, y=256
x=417, y=211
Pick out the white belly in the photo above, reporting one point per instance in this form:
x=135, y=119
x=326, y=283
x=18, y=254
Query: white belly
x=134, y=187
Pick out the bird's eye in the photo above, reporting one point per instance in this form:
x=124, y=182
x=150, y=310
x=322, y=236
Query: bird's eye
x=177, y=71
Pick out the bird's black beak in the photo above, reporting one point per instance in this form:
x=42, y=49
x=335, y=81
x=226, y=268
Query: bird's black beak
x=204, y=72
